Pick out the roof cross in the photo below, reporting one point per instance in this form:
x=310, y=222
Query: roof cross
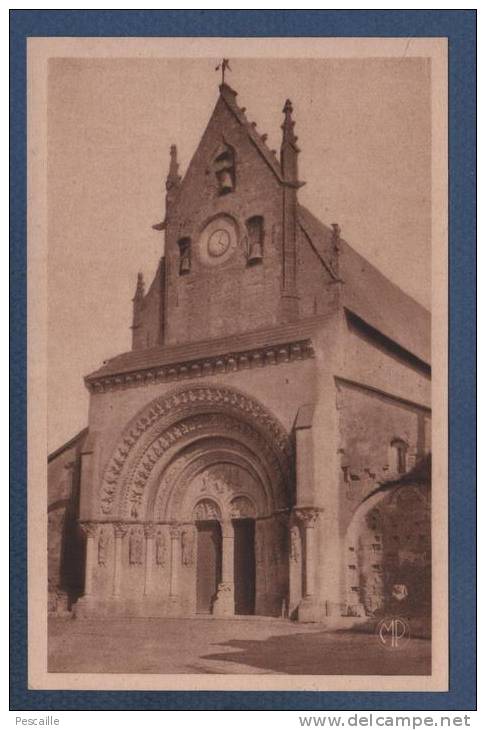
x=223, y=66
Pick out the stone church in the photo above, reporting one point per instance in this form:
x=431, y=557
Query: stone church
x=264, y=447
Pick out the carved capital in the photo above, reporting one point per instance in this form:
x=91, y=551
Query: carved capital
x=120, y=529
x=307, y=515
x=149, y=530
x=90, y=529
x=225, y=587
x=175, y=532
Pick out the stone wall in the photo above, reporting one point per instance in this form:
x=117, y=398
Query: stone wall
x=65, y=547
x=371, y=424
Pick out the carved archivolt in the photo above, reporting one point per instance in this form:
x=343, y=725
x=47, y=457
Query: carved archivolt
x=168, y=422
x=216, y=466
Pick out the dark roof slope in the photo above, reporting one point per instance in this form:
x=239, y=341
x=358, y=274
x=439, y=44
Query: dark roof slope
x=74, y=441
x=370, y=295
x=166, y=355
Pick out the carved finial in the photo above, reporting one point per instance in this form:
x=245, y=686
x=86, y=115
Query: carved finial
x=336, y=247
x=288, y=125
x=288, y=148
x=173, y=178
x=336, y=234
x=140, y=290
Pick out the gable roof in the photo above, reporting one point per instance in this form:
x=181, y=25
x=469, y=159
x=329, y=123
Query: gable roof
x=370, y=295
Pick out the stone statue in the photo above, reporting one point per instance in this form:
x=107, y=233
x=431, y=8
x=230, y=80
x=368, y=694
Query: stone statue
x=160, y=549
x=135, y=548
x=295, y=544
x=103, y=543
x=187, y=547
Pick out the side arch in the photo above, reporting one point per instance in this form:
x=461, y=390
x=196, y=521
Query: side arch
x=388, y=553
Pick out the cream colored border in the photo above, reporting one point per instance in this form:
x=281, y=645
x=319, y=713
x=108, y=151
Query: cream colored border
x=39, y=50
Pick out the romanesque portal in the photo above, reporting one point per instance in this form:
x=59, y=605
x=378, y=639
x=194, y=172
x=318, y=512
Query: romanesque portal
x=194, y=512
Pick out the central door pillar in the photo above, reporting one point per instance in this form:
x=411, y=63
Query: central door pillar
x=224, y=604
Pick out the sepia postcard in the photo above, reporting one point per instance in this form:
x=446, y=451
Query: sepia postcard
x=237, y=352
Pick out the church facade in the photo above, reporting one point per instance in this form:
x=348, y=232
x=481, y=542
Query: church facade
x=264, y=448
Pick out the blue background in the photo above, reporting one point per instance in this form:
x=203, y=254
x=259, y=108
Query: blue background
x=460, y=28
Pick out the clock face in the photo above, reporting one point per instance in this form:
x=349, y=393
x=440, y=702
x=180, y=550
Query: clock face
x=218, y=241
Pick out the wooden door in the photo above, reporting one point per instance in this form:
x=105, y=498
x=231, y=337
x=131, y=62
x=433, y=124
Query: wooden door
x=208, y=564
x=244, y=566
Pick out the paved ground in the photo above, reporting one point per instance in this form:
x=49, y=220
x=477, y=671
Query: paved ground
x=244, y=646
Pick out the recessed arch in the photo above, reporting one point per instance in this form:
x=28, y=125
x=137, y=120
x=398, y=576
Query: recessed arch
x=165, y=426
x=170, y=497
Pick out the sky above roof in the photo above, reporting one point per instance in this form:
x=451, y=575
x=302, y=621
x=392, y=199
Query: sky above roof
x=364, y=134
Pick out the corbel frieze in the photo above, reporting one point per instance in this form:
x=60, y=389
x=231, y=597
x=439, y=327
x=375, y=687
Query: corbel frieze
x=209, y=366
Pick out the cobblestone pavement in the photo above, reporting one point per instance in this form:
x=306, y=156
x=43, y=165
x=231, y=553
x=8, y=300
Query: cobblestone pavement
x=244, y=646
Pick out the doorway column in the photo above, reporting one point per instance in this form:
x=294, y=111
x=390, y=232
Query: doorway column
x=224, y=605
x=149, y=530
x=90, y=529
x=308, y=606
x=175, y=558
x=120, y=532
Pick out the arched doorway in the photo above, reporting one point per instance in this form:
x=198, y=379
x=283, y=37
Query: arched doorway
x=206, y=475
